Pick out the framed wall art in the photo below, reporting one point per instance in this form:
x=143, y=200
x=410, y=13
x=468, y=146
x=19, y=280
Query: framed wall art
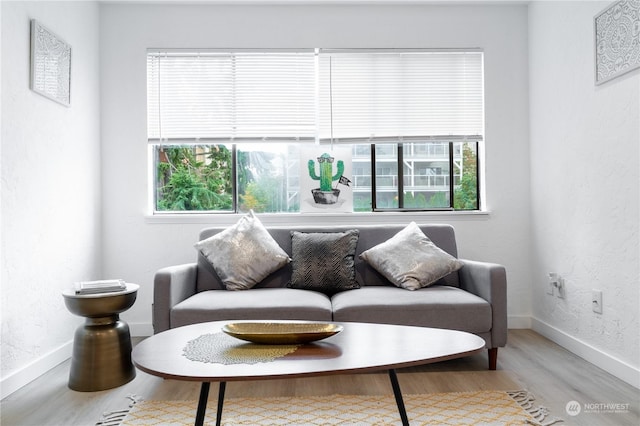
x=324, y=185
x=50, y=64
x=617, y=40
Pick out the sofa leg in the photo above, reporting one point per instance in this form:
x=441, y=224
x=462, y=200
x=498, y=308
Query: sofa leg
x=493, y=358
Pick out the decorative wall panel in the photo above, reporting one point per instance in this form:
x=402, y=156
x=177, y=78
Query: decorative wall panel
x=50, y=64
x=617, y=38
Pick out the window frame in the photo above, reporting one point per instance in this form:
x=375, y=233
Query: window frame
x=233, y=146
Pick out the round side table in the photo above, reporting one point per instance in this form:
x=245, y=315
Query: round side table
x=102, y=345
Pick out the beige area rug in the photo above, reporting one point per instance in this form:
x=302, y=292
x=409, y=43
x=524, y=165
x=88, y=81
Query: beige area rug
x=459, y=408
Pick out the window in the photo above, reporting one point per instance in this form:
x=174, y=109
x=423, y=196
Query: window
x=225, y=127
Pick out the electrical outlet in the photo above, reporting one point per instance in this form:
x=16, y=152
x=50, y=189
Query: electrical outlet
x=596, y=301
x=552, y=283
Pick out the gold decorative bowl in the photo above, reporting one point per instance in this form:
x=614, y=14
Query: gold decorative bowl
x=281, y=333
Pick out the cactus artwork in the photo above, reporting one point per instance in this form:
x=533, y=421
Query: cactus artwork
x=324, y=179
x=326, y=194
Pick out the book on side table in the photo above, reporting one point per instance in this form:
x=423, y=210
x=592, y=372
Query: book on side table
x=100, y=286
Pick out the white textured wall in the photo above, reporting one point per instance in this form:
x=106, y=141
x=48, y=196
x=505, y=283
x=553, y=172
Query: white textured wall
x=135, y=247
x=585, y=182
x=50, y=183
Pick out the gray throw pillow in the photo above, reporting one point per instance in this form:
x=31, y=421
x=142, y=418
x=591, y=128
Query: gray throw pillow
x=243, y=254
x=324, y=261
x=410, y=259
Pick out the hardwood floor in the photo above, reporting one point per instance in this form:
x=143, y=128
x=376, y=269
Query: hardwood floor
x=554, y=375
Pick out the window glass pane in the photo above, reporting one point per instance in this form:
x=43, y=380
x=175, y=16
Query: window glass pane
x=386, y=168
x=426, y=175
x=466, y=178
x=268, y=178
x=361, y=168
x=193, y=177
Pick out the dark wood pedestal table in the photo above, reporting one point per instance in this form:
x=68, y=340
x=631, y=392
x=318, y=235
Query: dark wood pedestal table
x=358, y=348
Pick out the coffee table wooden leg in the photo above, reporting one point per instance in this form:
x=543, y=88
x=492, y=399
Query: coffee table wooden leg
x=202, y=403
x=398, y=394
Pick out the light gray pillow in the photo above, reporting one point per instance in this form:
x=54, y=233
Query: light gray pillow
x=410, y=260
x=324, y=261
x=243, y=254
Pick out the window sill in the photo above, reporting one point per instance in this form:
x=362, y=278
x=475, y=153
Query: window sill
x=292, y=219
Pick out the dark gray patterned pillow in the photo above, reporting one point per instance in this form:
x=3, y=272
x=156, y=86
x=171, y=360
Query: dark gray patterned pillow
x=324, y=261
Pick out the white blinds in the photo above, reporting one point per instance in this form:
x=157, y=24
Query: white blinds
x=379, y=95
x=231, y=95
x=347, y=96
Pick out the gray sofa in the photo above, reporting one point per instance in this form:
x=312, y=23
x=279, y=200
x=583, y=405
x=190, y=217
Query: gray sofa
x=472, y=299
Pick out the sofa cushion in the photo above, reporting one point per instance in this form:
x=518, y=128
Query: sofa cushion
x=436, y=306
x=410, y=259
x=243, y=254
x=324, y=261
x=254, y=304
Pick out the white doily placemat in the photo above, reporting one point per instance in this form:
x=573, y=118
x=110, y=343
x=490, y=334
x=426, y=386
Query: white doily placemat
x=220, y=348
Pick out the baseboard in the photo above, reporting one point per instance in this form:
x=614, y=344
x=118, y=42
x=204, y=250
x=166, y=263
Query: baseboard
x=35, y=369
x=608, y=363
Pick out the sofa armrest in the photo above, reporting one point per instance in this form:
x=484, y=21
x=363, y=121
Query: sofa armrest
x=171, y=285
x=489, y=281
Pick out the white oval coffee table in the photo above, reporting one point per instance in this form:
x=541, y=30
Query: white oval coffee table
x=358, y=348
